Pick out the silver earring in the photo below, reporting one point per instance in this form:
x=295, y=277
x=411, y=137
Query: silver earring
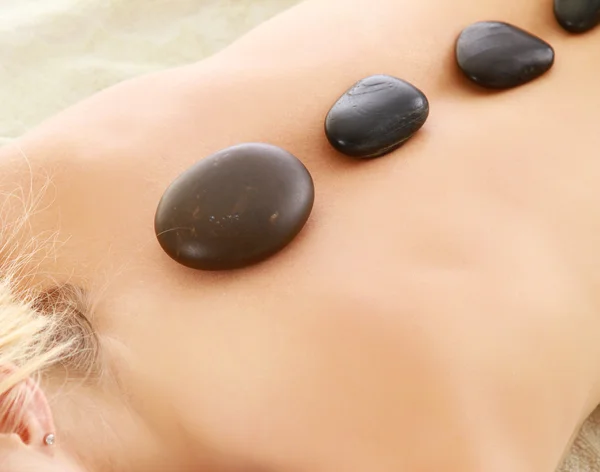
x=49, y=439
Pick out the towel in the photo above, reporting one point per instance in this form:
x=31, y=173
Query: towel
x=54, y=53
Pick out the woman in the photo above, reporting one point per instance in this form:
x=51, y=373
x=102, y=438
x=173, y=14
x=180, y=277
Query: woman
x=438, y=312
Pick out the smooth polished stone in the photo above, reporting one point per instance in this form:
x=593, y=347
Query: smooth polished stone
x=577, y=16
x=235, y=208
x=500, y=56
x=376, y=116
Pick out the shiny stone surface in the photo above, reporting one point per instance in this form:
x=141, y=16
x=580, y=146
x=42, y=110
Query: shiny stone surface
x=376, y=116
x=234, y=208
x=500, y=56
x=577, y=16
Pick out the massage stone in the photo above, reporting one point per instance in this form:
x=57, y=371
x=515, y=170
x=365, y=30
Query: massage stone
x=375, y=117
x=497, y=55
x=235, y=208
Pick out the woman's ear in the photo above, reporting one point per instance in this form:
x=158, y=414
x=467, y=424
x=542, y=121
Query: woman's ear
x=24, y=411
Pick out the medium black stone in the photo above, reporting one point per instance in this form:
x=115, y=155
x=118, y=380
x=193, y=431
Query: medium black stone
x=499, y=56
x=234, y=208
x=376, y=116
x=577, y=16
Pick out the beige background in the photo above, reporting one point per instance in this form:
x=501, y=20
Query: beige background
x=56, y=52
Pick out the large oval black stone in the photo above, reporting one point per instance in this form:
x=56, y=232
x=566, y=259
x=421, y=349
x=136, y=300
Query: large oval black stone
x=499, y=56
x=376, y=116
x=234, y=208
x=577, y=16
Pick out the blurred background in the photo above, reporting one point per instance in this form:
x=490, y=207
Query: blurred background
x=54, y=53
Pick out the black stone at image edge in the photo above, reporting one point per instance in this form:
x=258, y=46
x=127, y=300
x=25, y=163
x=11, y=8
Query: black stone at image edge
x=376, y=116
x=497, y=55
x=235, y=208
x=577, y=16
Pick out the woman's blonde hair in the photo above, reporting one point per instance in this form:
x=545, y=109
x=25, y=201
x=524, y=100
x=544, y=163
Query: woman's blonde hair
x=39, y=328
x=27, y=337
x=27, y=347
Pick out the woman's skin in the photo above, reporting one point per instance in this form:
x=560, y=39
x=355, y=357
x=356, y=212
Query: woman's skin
x=439, y=311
